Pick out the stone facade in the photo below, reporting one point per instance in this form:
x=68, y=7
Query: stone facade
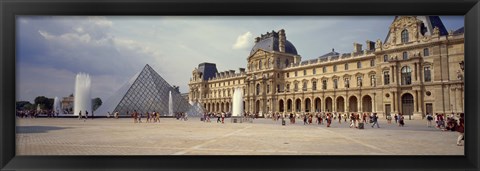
x=415, y=71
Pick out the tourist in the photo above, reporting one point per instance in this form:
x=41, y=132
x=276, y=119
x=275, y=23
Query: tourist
x=461, y=129
x=329, y=119
x=364, y=117
x=139, y=117
x=79, y=115
x=86, y=114
x=304, y=119
x=310, y=119
x=375, y=120
x=396, y=118
x=401, y=120
x=429, y=120
x=345, y=117
x=157, y=115
x=223, y=117
x=389, y=119
x=340, y=119
x=116, y=115
x=134, y=115
x=352, y=120
x=148, y=117
x=218, y=118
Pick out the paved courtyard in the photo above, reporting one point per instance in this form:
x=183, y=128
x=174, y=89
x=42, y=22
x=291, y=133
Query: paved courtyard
x=102, y=136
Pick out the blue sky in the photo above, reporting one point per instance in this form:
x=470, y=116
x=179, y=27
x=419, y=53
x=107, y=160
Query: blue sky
x=52, y=49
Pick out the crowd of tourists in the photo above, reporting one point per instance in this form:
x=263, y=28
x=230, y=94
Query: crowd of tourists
x=36, y=113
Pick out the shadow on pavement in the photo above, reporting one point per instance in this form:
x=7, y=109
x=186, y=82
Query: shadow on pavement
x=37, y=129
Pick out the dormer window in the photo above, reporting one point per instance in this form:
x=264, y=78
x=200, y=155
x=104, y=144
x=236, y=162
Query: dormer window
x=405, y=36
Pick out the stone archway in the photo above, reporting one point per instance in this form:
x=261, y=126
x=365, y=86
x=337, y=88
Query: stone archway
x=227, y=107
x=257, y=107
x=308, y=105
x=281, y=107
x=328, y=104
x=407, y=104
x=340, y=104
x=353, y=104
x=367, y=103
x=318, y=106
x=289, y=105
x=298, y=105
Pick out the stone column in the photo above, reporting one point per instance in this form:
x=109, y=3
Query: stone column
x=394, y=103
x=334, y=104
x=393, y=75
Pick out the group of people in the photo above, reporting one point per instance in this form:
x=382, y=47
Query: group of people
x=152, y=117
x=220, y=117
x=449, y=124
x=36, y=113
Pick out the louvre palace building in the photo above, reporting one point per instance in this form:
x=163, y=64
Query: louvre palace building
x=417, y=69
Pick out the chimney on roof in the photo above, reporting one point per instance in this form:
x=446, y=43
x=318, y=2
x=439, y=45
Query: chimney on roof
x=242, y=70
x=370, y=45
x=357, y=47
x=257, y=39
x=282, y=39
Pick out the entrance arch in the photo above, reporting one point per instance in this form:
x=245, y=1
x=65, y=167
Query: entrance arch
x=407, y=104
x=281, y=106
x=353, y=104
x=318, y=106
x=289, y=105
x=367, y=103
x=298, y=105
x=340, y=104
x=227, y=107
x=328, y=104
x=308, y=105
x=222, y=107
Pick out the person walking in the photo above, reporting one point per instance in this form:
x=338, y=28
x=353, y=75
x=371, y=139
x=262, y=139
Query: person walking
x=396, y=118
x=429, y=120
x=86, y=114
x=340, y=118
x=223, y=117
x=401, y=120
x=375, y=120
x=305, y=119
x=329, y=119
x=461, y=129
x=218, y=118
x=79, y=115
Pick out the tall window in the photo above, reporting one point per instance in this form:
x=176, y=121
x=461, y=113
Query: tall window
x=268, y=63
x=268, y=88
x=314, y=85
x=385, y=58
x=405, y=55
x=427, y=74
x=335, y=68
x=373, y=81
x=288, y=74
x=296, y=73
x=386, y=78
x=335, y=83
x=372, y=63
x=359, y=64
x=406, y=75
x=296, y=87
x=347, y=83
x=278, y=88
x=286, y=62
x=405, y=36
x=288, y=88
x=260, y=64
x=324, y=84
x=304, y=87
x=359, y=81
x=346, y=66
x=426, y=52
x=258, y=89
x=304, y=72
x=278, y=62
x=314, y=70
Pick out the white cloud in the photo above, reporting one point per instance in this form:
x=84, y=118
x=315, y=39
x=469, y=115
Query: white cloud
x=244, y=41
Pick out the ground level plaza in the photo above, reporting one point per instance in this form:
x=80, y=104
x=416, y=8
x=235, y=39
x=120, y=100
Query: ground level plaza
x=102, y=136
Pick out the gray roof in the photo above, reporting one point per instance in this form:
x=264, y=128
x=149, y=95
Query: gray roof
x=270, y=43
x=459, y=31
x=208, y=70
x=330, y=54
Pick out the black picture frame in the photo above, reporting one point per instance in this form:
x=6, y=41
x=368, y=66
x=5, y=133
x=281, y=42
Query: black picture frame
x=11, y=8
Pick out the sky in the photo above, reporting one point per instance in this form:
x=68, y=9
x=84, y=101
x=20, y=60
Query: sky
x=51, y=50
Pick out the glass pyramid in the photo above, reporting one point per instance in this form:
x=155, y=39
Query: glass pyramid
x=147, y=91
x=196, y=110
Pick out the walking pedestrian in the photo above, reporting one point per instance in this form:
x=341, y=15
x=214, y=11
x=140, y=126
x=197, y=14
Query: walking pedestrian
x=396, y=118
x=340, y=119
x=218, y=118
x=79, y=115
x=86, y=114
x=461, y=129
x=429, y=120
x=223, y=117
x=375, y=120
x=401, y=120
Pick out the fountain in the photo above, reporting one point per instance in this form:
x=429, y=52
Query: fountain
x=237, y=107
x=38, y=108
x=82, y=99
x=170, y=104
x=56, y=106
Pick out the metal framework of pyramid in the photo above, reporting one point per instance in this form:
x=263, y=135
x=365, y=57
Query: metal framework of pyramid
x=196, y=110
x=147, y=91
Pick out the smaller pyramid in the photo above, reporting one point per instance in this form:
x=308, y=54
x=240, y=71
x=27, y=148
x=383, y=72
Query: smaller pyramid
x=196, y=110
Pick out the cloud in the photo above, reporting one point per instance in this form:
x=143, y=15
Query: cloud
x=243, y=42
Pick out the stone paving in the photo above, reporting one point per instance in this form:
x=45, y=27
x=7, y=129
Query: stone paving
x=102, y=136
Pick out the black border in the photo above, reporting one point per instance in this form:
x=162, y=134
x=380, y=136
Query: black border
x=10, y=8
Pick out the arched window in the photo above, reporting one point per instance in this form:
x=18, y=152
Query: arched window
x=268, y=88
x=335, y=68
x=278, y=62
x=260, y=64
x=335, y=83
x=405, y=36
x=258, y=89
x=304, y=88
x=346, y=66
x=324, y=69
x=324, y=84
x=314, y=85
x=427, y=74
x=296, y=87
x=406, y=75
x=405, y=55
